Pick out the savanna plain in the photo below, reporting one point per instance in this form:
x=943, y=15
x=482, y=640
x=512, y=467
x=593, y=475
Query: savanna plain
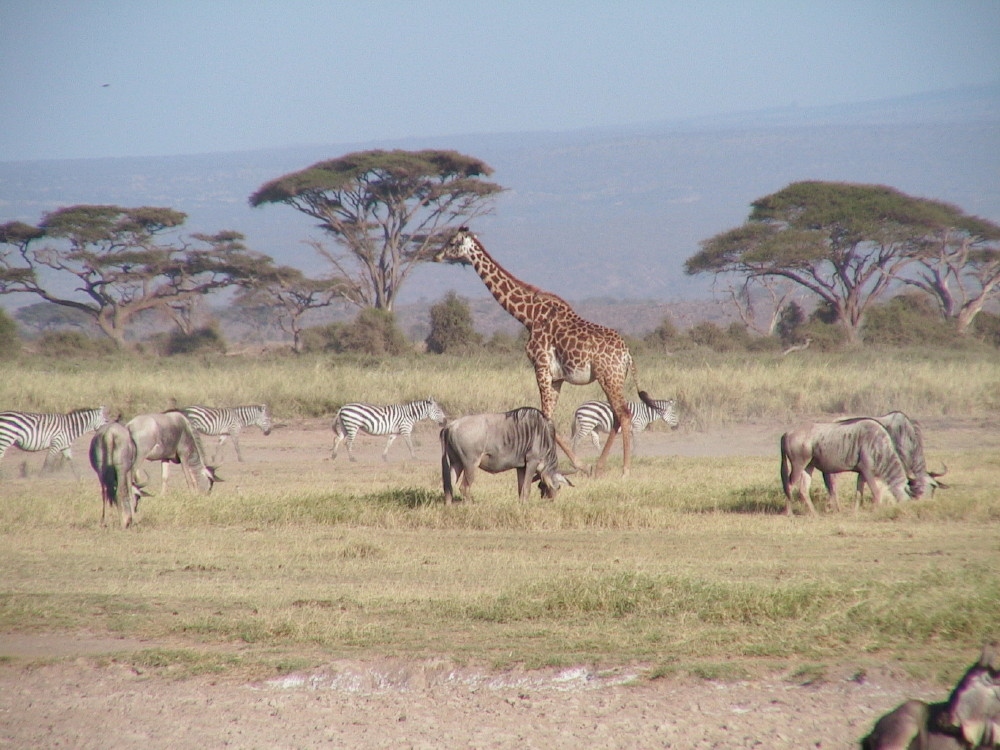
x=316, y=602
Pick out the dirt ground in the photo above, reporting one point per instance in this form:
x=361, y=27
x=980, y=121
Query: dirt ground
x=71, y=691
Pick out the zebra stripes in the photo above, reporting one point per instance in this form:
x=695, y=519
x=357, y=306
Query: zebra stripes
x=397, y=419
x=54, y=432
x=593, y=417
x=226, y=422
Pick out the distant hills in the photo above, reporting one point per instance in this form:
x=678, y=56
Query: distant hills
x=609, y=213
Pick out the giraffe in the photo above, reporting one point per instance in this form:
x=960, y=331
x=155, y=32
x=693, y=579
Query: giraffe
x=562, y=346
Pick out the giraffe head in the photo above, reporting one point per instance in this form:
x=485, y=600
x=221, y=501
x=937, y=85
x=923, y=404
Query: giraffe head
x=459, y=249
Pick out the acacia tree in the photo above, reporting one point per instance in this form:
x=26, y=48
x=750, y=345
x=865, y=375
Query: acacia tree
x=958, y=265
x=386, y=210
x=291, y=295
x=845, y=243
x=114, y=257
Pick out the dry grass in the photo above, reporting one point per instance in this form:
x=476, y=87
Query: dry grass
x=688, y=566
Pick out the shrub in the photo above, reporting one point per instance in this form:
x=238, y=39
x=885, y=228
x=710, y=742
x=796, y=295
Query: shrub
x=200, y=341
x=73, y=344
x=907, y=320
x=710, y=335
x=319, y=338
x=825, y=337
x=790, y=323
x=10, y=342
x=502, y=342
x=451, y=326
x=986, y=327
x=664, y=338
x=373, y=332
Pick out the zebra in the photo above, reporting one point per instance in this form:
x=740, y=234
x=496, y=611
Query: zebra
x=593, y=417
x=397, y=419
x=227, y=422
x=55, y=432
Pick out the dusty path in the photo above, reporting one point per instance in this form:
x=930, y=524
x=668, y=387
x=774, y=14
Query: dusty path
x=77, y=704
x=69, y=690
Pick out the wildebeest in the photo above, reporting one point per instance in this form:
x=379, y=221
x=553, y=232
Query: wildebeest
x=862, y=445
x=169, y=437
x=113, y=456
x=521, y=439
x=907, y=437
x=970, y=718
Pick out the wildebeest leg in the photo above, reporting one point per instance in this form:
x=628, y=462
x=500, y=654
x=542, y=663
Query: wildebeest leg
x=465, y=477
x=805, y=480
x=872, y=481
x=523, y=487
x=448, y=477
x=830, y=480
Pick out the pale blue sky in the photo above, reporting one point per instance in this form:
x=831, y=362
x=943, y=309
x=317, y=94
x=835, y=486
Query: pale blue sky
x=135, y=78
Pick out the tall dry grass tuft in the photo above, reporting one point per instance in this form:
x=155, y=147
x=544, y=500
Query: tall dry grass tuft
x=713, y=389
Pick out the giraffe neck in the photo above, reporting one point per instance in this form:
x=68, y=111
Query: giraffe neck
x=515, y=296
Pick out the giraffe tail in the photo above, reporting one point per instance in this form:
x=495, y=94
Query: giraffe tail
x=643, y=396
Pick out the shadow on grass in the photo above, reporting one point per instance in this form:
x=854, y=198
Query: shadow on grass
x=408, y=497
x=755, y=500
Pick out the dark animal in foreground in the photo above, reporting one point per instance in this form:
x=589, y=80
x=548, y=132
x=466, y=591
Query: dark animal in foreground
x=908, y=439
x=169, y=437
x=53, y=432
x=113, y=457
x=393, y=420
x=593, y=417
x=522, y=439
x=969, y=719
x=862, y=445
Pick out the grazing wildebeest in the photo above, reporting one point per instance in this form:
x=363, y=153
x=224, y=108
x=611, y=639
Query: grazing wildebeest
x=970, y=718
x=169, y=437
x=113, y=456
x=522, y=439
x=863, y=446
x=907, y=437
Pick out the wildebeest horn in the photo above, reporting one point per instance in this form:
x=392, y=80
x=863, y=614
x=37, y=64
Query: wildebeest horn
x=936, y=474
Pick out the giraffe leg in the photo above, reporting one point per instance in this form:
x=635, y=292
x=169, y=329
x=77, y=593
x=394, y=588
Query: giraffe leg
x=624, y=417
x=548, y=391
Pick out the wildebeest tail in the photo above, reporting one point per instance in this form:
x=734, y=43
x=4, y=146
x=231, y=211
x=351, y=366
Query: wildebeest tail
x=785, y=462
x=446, y=464
x=110, y=479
